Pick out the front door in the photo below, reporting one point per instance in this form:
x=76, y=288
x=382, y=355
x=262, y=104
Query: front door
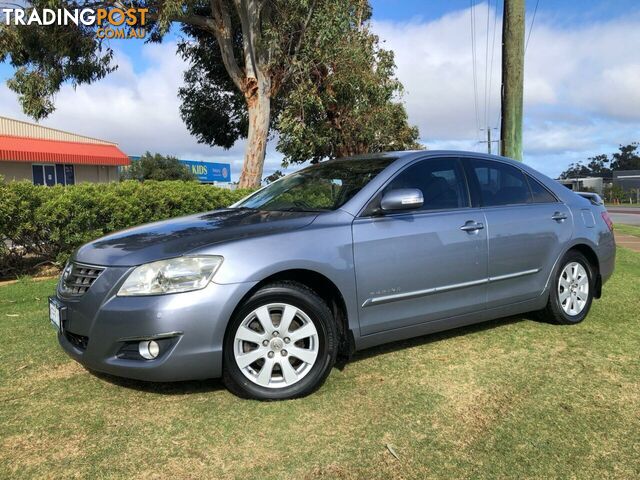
x=425, y=264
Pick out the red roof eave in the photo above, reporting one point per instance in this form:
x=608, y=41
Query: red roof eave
x=36, y=150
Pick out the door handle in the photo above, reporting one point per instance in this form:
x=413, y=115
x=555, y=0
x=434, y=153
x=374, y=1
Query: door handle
x=559, y=216
x=472, y=226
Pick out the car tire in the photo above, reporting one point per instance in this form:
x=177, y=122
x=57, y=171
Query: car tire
x=571, y=291
x=297, y=358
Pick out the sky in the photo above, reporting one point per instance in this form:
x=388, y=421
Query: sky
x=581, y=92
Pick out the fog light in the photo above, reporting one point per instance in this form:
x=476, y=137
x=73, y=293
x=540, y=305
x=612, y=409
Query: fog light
x=149, y=349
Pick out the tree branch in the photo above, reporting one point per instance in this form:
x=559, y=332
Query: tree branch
x=196, y=20
x=223, y=30
x=303, y=30
x=200, y=21
x=249, y=13
x=296, y=50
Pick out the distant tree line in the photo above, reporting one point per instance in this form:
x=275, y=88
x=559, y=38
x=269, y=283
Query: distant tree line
x=626, y=158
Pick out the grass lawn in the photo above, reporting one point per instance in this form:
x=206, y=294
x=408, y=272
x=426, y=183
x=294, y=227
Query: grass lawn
x=513, y=398
x=627, y=229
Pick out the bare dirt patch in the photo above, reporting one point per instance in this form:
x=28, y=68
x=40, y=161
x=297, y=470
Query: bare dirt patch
x=56, y=372
x=628, y=241
x=10, y=282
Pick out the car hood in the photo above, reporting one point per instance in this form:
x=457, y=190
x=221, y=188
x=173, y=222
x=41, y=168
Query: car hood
x=178, y=236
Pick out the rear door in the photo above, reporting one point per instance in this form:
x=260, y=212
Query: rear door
x=527, y=227
x=421, y=265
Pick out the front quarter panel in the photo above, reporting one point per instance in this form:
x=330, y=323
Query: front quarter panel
x=324, y=247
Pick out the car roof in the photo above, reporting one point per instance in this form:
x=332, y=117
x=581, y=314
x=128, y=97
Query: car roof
x=403, y=157
x=410, y=155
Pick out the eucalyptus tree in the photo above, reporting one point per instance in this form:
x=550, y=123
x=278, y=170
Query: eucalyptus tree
x=247, y=58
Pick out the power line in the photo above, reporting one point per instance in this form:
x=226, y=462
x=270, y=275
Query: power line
x=486, y=66
x=533, y=19
x=475, y=75
x=493, y=48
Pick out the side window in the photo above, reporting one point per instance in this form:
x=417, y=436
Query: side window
x=441, y=181
x=539, y=192
x=59, y=174
x=38, y=174
x=54, y=174
x=500, y=184
x=69, y=175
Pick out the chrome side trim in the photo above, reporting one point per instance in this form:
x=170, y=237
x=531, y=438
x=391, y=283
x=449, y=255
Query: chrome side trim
x=514, y=275
x=445, y=288
x=157, y=336
x=420, y=293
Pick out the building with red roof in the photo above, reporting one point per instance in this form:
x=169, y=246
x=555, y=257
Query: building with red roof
x=50, y=157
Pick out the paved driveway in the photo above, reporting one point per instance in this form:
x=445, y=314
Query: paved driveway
x=624, y=209
x=626, y=215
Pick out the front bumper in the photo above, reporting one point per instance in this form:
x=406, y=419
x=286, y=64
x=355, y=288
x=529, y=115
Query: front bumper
x=99, y=324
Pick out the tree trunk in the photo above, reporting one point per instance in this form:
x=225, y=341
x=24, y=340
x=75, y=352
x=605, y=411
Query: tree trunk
x=259, y=106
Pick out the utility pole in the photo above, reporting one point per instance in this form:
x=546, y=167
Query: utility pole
x=488, y=141
x=512, y=78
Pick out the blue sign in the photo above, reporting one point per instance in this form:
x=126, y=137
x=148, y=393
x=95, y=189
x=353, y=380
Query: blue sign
x=209, y=171
x=205, y=172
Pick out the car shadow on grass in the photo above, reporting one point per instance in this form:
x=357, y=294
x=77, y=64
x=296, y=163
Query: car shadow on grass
x=163, y=388
x=436, y=337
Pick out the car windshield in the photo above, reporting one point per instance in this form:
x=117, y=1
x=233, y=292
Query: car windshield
x=326, y=186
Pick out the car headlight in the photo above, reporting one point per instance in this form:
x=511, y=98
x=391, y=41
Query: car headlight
x=175, y=275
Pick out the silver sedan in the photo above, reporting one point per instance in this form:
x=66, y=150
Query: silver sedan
x=337, y=257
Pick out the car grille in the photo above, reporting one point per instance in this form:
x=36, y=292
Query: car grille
x=78, y=341
x=78, y=278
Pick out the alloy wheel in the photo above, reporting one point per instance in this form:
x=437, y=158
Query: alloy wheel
x=276, y=345
x=573, y=288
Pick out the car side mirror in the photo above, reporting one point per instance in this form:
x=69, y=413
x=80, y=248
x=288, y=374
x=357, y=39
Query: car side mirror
x=401, y=199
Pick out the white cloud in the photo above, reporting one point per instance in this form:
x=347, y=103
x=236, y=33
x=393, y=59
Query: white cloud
x=582, y=83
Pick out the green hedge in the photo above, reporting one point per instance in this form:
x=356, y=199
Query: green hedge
x=48, y=223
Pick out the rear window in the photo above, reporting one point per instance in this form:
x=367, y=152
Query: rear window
x=539, y=192
x=500, y=184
